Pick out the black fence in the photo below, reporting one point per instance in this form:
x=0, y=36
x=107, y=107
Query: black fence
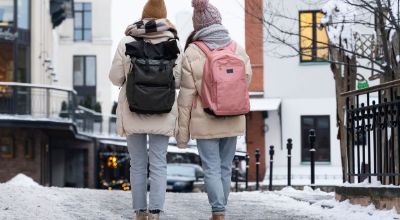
x=22, y=101
x=372, y=137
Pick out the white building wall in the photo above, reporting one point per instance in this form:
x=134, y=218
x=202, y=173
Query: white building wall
x=100, y=46
x=41, y=41
x=305, y=89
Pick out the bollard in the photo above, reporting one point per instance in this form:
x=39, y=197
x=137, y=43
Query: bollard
x=257, y=169
x=247, y=171
x=289, y=156
x=237, y=173
x=271, y=163
x=311, y=138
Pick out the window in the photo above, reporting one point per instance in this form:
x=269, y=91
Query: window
x=84, y=71
x=313, y=40
x=23, y=14
x=83, y=22
x=6, y=62
x=321, y=125
x=6, y=12
x=84, y=78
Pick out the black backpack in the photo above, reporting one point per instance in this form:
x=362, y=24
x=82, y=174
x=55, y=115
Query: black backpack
x=150, y=85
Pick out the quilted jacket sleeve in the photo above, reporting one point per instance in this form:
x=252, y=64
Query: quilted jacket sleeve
x=117, y=73
x=185, y=101
x=178, y=71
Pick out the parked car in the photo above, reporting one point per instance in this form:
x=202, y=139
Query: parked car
x=188, y=155
x=183, y=177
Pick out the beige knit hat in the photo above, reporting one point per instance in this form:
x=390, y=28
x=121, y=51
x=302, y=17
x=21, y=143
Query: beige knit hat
x=155, y=9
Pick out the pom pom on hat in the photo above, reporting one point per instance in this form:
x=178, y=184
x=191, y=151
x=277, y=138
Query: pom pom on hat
x=205, y=14
x=200, y=5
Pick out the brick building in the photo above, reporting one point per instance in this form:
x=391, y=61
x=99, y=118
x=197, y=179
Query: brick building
x=255, y=135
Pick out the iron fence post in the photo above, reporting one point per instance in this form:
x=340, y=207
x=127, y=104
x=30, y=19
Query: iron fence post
x=247, y=171
x=311, y=138
x=271, y=163
x=236, y=173
x=257, y=168
x=289, y=148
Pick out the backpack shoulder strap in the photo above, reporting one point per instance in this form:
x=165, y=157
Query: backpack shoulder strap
x=233, y=46
x=203, y=47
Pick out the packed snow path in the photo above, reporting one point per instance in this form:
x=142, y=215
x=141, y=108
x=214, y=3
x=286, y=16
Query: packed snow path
x=21, y=198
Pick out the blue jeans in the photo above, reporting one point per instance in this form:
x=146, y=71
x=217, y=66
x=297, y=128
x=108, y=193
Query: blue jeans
x=216, y=157
x=157, y=154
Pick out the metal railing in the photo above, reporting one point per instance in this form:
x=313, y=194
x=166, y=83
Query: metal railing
x=23, y=101
x=373, y=128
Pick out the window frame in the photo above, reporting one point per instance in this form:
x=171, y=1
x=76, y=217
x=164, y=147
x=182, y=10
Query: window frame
x=85, y=90
x=83, y=28
x=84, y=70
x=314, y=48
x=303, y=160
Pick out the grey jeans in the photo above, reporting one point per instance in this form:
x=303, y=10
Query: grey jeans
x=216, y=157
x=157, y=154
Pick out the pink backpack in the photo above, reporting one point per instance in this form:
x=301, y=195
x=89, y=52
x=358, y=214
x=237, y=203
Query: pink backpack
x=224, y=89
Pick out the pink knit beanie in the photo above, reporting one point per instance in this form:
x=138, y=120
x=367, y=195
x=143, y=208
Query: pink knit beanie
x=205, y=14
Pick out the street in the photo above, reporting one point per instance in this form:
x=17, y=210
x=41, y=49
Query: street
x=22, y=198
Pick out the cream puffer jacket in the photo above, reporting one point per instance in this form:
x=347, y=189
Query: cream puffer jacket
x=193, y=121
x=129, y=122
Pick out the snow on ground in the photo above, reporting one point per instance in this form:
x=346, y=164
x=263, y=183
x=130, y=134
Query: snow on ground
x=374, y=184
x=300, y=176
x=22, y=180
x=26, y=200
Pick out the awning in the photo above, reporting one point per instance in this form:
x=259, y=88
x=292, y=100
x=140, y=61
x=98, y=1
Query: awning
x=116, y=143
x=264, y=104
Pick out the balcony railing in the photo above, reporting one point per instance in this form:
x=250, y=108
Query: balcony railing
x=22, y=101
x=373, y=128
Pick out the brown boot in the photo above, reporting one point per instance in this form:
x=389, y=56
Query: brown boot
x=141, y=216
x=218, y=216
x=154, y=216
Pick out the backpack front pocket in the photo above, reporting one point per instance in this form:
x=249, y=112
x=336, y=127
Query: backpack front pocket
x=152, y=99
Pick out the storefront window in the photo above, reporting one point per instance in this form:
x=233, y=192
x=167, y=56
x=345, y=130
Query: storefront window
x=22, y=67
x=23, y=14
x=6, y=62
x=6, y=12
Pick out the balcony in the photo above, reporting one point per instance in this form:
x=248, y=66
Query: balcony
x=43, y=103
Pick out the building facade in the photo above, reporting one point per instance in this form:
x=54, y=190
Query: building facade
x=53, y=86
x=306, y=88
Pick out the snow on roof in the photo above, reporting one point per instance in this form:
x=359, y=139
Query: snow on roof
x=174, y=149
x=22, y=180
x=264, y=104
x=33, y=118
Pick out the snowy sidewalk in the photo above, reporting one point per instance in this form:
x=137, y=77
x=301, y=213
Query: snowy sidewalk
x=23, y=199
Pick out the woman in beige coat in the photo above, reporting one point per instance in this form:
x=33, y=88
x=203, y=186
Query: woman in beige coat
x=140, y=127
x=216, y=136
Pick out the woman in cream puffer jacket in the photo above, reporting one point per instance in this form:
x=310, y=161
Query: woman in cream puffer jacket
x=216, y=136
x=147, y=135
x=194, y=123
x=129, y=122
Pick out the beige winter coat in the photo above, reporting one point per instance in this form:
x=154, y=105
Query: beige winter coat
x=193, y=121
x=132, y=123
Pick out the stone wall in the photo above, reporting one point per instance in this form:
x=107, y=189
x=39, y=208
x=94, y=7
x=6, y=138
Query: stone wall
x=382, y=198
x=22, y=162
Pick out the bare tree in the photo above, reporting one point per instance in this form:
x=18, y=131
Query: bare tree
x=362, y=42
